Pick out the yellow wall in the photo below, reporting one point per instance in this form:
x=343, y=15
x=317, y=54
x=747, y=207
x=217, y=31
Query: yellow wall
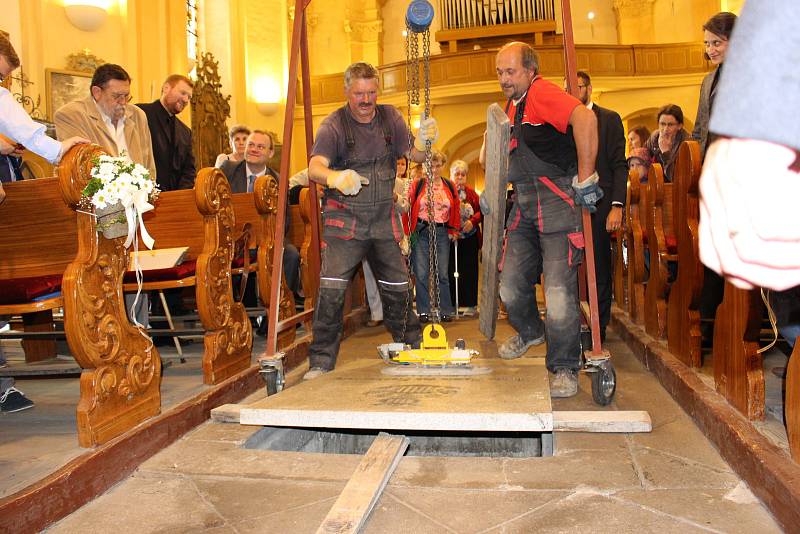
x=251, y=39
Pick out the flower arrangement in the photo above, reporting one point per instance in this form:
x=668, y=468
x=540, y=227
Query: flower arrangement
x=120, y=192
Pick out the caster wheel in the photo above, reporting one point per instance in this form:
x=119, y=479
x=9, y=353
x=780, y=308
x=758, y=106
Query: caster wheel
x=461, y=344
x=604, y=384
x=270, y=377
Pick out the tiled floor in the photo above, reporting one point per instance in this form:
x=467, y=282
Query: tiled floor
x=671, y=480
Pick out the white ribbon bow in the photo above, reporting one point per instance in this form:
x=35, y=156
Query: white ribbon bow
x=135, y=207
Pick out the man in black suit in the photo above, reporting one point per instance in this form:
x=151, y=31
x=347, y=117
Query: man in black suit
x=613, y=171
x=242, y=176
x=172, y=139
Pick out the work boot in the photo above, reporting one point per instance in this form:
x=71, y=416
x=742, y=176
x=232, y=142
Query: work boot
x=314, y=372
x=514, y=347
x=564, y=384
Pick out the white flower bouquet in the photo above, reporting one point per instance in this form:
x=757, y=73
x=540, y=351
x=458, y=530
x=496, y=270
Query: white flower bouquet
x=120, y=192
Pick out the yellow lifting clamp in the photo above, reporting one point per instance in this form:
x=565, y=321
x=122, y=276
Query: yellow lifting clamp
x=433, y=351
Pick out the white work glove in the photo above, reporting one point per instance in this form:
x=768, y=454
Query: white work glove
x=348, y=181
x=428, y=131
x=748, y=214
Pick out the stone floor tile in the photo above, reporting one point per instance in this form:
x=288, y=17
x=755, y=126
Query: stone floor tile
x=218, y=458
x=144, y=505
x=470, y=510
x=589, y=441
x=295, y=521
x=736, y=510
x=668, y=471
x=449, y=472
x=682, y=438
x=589, y=512
x=240, y=499
x=391, y=515
x=595, y=469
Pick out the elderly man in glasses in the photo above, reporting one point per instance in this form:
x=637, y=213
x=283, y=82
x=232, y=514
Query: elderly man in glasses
x=105, y=118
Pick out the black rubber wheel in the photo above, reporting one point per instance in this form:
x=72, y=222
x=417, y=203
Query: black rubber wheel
x=270, y=377
x=604, y=384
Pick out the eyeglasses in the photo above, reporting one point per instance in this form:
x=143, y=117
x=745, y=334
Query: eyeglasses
x=121, y=97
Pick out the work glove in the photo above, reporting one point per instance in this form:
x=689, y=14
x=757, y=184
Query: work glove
x=484, y=204
x=587, y=192
x=348, y=181
x=428, y=131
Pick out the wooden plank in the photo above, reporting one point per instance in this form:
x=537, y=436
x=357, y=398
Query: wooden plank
x=351, y=509
x=498, y=137
x=227, y=413
x=602, y=421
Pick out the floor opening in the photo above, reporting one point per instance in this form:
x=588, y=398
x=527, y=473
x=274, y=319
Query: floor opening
x=422, y=443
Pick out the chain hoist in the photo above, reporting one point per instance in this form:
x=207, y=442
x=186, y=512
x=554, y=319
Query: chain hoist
x=418, y=20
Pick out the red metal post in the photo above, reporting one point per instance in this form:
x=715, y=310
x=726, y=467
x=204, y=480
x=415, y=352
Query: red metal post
x=571, y=67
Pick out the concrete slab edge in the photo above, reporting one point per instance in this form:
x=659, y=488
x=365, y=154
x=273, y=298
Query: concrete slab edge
x=768, y=471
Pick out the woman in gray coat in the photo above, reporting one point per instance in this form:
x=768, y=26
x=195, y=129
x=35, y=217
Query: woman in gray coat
x=716, y=32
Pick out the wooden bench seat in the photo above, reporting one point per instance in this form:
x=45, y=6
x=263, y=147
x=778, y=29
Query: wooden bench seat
x=658, y=229
x=683, y=316
x=38, y=241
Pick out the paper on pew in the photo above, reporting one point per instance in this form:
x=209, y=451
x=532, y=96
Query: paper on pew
x=160, y=258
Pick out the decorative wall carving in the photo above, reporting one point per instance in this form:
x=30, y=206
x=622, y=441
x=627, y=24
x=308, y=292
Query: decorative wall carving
x=210, y=111
x=122, y=369
x=229, y=336
x=84, y=61
x=366, y=31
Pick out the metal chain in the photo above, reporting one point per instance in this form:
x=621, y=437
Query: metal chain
x=412, y=92
x=433, y=257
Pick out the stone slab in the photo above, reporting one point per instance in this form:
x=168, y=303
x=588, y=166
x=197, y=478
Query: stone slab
x=514, y=397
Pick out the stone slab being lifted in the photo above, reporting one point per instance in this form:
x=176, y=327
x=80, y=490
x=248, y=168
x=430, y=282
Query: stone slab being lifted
x=513, y=397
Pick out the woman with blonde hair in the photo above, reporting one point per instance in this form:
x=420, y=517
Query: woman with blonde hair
x=439, y=218
x=465, y=249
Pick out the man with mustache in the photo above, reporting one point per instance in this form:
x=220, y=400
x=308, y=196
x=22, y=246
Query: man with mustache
x=355, y=156
x=172, y=139
x=551, y=165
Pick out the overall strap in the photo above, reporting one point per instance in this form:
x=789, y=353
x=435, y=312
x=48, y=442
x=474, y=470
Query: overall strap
x=387, y=132
x=348, y=131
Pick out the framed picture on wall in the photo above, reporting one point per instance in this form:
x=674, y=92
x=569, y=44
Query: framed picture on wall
x=65, y=86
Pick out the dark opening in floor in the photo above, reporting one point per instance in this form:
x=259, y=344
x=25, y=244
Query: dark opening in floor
x=422, y=443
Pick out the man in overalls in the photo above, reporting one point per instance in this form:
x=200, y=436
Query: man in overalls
x=355, y=156
x=551, y=165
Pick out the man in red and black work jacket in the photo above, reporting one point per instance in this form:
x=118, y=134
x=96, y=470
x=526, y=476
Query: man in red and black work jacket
x=552, y=168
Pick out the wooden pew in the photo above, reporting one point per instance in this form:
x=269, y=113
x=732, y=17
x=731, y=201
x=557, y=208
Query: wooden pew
x=659, y=232
x=122, y=370
x=683, y=316
x=38, y=241
x=636, y=217
x=792, y=404
x=619, y=249
x=738, y=366
x=266, y=203
x=203, y=219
